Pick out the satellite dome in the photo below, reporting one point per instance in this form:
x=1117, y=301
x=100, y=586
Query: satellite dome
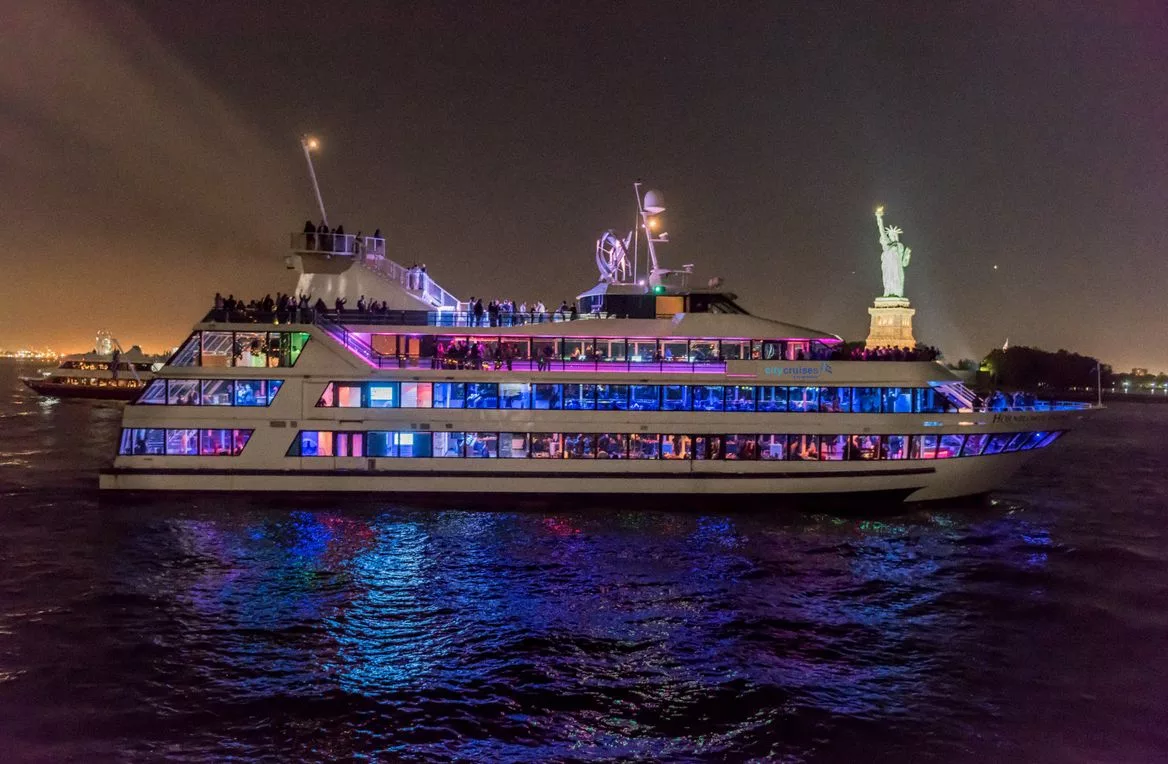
x=654, y=202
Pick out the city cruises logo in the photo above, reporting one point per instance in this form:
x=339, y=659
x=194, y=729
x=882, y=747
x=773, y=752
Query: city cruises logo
x=822, y=369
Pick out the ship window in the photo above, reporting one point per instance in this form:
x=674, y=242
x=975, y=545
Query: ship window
x=740, y=447
x=950, y=446
x=707, y=447
x=546, y=445
x=1050, y=438
x=260, y=392
x=379, y=443
x=611, y=350
x=772, y=399
x=867, y=400
x=316, y=443
x=545, y=349
x=482, y=395
x=582, y=397
x=513, y=445
x=735, y=350
x=143, y=442
x=803, y=448
x=188, y=354
x=546, y=397
x=703, y=350
x=413, y=444
x=217, y=392
x=974, y=444
x=250, y=350
x=449, y=444
x=835, y=399
x=349, y=443
x=708, y=397
x=482, y=445
x=612, y=397
x=675, y=446
x=287, y=346
x=769, y=350
x=674, y=350
x=182, y=442
x=610, y=445
x=644, y=398
x=898, y=400
x=1016, y=442
x=923, y=447
x=328, y=397
x=383, y=395
x=643, y=446
x=419, y=395
x=893, y=446
x=832, y=448
x=1032, y=441
x=739, y=398
x=804, y=399
x=997, y=443
x=223, y=442
x=929, y=401
x=575, y=350
x=864, y=447
x=644, y=351
x=348, y=395
x=772, y=447
x=447, y=395
x=216, y=349
x=514, y=395
x=154, y=394
x=183, y=392
x=674, y=398
x=579, y=445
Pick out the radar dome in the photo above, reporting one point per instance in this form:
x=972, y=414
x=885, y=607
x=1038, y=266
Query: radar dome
x=654, y=202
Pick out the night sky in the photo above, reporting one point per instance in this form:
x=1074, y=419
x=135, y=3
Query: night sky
x=149, y=156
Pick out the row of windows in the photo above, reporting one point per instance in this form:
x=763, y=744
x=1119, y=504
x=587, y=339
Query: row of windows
x=767, y=447
x=210, y=392
x=595, y=397
x=247, y=349
x=183, y=442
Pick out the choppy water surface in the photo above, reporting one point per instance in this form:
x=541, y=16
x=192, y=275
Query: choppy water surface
x=218, y=628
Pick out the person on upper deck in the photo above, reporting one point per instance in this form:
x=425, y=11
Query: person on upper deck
x=309, y=235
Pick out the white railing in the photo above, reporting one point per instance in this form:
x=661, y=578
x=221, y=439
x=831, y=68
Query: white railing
x=338, y=244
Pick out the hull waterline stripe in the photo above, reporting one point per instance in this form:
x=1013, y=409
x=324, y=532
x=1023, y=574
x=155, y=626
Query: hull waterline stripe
x=539, y=475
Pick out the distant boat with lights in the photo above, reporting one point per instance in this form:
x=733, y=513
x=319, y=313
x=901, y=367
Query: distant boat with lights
x=104, y=373
x=657, y=384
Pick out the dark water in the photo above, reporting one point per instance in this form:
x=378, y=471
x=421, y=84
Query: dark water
x=218, y=628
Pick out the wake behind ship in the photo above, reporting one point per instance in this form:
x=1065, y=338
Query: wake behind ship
x=647, y=386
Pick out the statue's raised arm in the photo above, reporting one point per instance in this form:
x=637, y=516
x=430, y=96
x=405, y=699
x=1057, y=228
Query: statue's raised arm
x=880, y=226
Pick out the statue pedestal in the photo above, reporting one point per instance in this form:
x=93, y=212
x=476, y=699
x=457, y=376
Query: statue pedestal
x=891, y=323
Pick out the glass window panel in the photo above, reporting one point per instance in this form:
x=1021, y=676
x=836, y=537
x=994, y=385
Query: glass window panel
x=154, y=394
x=513, y=445
x=898, y=400
x=579, y=397
x=703, y=350
x=772, y=398
x=383, y=395
x=675, y=398
x=216, y=349
x=188, y=354
x=804, y=399
x=835, y=399
x=413, y=444
x=929, y=401
x=216, y=442
x=515, y=395
x=803, y=448
x=612, y=350
x=674, y=350
x=420, y=395
x=349, y=443
x=447, y=395
x=974, y=444
x=740, y=398
x=740, y=447
x=449, y=444
x=545, y=350
x=183, y=392
x=610, y=445
x=998, y=443
x=833, y=448
x=546, y=445
x=866, y=400
x=865, y=448
x=182, y=442
x=772, y=350
x=675, y=447
x=950, y=446
x=707, y=447
x=328, y=398
x=735, y=350
x=772, y=447
x=482, y=395
x=1050, y=438
x=250, y=392
x=1033, y=441
x=381, y=443
x=1016, y=442
x=644, y=351
x=893, y=446
x=310, y=443
x=575, y=350
x=923, y=447
x=612, y=397
x=579, y=445
x=644, y=446
x=250, y=349
x=482, y=445
x=217, y=392
x=708, y=397
x=144, y=442
x=547, y=396
x=645, y=398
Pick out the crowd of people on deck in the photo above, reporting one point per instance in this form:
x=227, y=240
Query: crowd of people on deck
x=918, y=353
x=319, y=238
x=506, y=313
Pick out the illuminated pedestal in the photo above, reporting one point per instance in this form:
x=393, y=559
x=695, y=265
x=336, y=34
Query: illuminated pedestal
x=891, y=323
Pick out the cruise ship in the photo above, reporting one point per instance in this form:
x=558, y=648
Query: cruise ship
x=104, y=373
x=653, y=384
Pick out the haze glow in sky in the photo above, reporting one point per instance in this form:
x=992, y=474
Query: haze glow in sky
x=149, y=157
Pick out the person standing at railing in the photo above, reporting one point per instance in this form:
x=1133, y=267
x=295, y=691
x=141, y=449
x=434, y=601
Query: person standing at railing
x=340, y=244
x=378, y=243
x=358, y=247
x=309, y=235
x=422, y=277
x=478, y=312
x=323, y=237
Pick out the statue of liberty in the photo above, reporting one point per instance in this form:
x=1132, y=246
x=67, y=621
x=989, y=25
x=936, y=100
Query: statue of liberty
x=894, y=257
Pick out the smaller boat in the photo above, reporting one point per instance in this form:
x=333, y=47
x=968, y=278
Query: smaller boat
x=105, y=373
